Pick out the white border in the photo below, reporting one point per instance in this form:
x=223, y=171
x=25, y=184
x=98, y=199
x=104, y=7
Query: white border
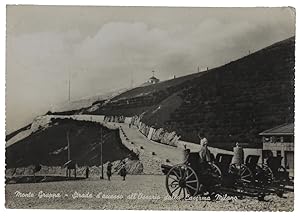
x=172, y=3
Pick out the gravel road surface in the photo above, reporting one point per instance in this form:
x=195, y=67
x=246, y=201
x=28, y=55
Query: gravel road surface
x=137, y=192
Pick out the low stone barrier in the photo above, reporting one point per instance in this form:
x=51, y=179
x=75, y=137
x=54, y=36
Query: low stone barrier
x=117, y=119
x=158, y=135
x=171, y=138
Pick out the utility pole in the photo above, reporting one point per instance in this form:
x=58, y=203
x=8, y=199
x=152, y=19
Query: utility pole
x=69, y=94
x=69, y=152
x=69, y=155
x=101, y=154
x=131, y=81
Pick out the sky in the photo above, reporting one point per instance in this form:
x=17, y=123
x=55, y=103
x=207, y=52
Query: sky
x=102, y=49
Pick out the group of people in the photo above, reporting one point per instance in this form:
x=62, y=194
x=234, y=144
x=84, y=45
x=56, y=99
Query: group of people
x=122, y=172
x=205, y=155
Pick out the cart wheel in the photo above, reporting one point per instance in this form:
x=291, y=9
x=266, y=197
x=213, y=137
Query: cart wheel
x=245, y=174
x=216, y=174
x=268, y=175
x=181, y=182
x=263, y=175
x=242, y=173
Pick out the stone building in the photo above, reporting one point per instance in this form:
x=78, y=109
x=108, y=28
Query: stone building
x=279, y=141
x=153, y=80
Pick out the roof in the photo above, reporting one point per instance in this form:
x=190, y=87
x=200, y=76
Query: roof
x=153, y=77
x=285, y=129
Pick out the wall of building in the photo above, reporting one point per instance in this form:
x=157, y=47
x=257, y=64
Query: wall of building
x=283, y=147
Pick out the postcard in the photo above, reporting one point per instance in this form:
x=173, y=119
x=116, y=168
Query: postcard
x=150, y=108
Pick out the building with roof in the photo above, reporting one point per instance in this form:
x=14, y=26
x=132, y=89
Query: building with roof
x=279, y=142
x=151, y=80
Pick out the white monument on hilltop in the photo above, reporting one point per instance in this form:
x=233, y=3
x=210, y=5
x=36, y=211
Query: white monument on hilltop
x=153, y=79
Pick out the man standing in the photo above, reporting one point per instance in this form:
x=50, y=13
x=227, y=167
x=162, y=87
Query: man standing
x=87, y=171
x=204, y=157
x=108, y=171
x=204, y=153
x=123, y=171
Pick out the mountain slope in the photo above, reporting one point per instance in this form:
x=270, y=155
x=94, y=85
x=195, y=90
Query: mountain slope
x=49, y=146
x=231, y=103
x=235, y=102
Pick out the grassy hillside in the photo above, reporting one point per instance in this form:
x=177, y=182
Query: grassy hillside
x=142, y=99
x=231, y=103
x=237, y=101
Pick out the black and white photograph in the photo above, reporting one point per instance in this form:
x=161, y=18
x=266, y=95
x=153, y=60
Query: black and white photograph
x=150, y=108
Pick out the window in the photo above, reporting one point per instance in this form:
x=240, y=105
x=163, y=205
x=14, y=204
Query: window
x=273, y=139
x=278, y=153
x=289, y=139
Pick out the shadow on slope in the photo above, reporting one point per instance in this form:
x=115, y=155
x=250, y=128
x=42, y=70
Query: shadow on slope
x=49, y=146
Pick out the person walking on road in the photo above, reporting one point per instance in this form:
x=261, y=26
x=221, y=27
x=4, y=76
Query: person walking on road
x=87, y=172
x=108, y=170
x=123, y=171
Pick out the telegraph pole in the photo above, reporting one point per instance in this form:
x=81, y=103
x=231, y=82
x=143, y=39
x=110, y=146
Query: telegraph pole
x=69, y=82
x=69, y=152
x=69, y=155
x=101, y=153
x=131, y=81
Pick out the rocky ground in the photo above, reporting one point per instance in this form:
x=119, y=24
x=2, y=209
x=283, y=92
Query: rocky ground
x=137, y=192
